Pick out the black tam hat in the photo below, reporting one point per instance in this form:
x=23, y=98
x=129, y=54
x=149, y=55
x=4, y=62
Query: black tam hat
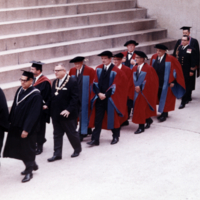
x=141, y=54
x=131, y=42
x=161, y=46
x=106, y=53
x=186, y=28
x=37, y=65
x=27, y=74
x=119, y=55
x=77, y=59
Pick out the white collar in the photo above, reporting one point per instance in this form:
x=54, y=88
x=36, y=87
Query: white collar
x=140, y=67
x=107, y=66
x=120, y=66
x=161, y=57
x=185, y=46
x=37, y=77
x=61, y=80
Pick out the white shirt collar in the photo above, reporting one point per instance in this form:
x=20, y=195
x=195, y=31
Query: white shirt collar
x=107, y=66
x=140, y=67
x=161, y=57
x=120, y=66
x=79, y=69
x=37, y=77
x=185, y=46
x=61, y=80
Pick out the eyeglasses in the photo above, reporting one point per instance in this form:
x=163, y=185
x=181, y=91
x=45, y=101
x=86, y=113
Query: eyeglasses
x=22, y=80
x=57, y=70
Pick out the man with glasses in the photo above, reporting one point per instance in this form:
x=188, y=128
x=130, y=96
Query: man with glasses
x=195, y=45
x=64, y=112
x=186, y=57
x=43, y=84
x=24, y=116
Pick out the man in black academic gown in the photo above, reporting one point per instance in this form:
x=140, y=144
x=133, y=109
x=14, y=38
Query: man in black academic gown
x=4, y=125
x=186, y=57
x=64, y=112
x=43, y=84
x=24, y=116
x=195, y=45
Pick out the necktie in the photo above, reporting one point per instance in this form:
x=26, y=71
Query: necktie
x=78, y=72
x=34, y=79
x=158, y=59
x=138, y=71
x=105, y=67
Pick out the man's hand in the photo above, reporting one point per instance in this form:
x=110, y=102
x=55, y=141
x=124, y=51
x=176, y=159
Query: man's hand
x=137, y=89
x=191, y=73
x=65, y=113
x=45, y=107
x=124, y=59
x=133, y=62
x=24, y=134
x=102, y=96
x=171, y=85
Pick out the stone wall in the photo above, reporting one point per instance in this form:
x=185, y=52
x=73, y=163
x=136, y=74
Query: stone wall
x=173, y=14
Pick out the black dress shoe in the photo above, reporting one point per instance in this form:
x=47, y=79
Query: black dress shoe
x=126, y=123
x=140, y=130
x=181, y=106
x=75, y=154
x=35, y=168
x=27, y=178
x=54, y=158
x=115, y=141
x=39, y=150
x=162, y=119
x=93, y=143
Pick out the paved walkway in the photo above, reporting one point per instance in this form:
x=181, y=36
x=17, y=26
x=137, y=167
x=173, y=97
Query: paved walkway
x=163, y=163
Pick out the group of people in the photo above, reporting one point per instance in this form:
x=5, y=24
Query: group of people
x=100, y=98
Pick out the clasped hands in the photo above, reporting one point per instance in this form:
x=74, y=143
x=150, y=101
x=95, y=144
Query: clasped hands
x=102, y=96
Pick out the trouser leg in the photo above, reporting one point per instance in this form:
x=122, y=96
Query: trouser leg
x=1, y=139
x=41, y=132
x=100, y=111
x=116, y=132
x=69, y=126
x=29, y=165
x=58, y=138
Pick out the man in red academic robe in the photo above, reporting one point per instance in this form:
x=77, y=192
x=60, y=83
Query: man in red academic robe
x=109, y=100
x=84, y=76
x=43, y=84
x=171, y=80
x=129, y=55
x=117, y=59
x=143, y=92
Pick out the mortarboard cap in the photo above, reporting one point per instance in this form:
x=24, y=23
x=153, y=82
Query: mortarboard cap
x=186, y=28
x=161, y=46
x=141, y=54
x=131, y=42
x=28, y=74
x=77, y=59
x=119, y=55
x=106, y=53
x=37, y=65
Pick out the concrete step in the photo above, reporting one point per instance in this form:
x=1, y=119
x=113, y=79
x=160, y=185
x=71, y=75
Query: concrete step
x=92, y=60
x=41, y=24
x=30, y=3
x=17, y=41
x=23, y=55
x=23, y=13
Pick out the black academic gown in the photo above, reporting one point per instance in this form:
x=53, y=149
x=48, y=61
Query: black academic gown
x=195, y=45
x=24, y=115
x=4, y=125
x=45, y=91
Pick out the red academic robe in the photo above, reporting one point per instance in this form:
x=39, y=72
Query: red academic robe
x=87, y=80
x=173, y=73
x=128, y=73
x=116, y=103
x=144, y=102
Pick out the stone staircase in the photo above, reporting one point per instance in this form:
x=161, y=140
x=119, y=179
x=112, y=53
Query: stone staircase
x=55, y=31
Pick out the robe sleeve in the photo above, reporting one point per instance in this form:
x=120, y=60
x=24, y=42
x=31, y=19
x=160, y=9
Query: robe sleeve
x=176, y=46
x=33, y=113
